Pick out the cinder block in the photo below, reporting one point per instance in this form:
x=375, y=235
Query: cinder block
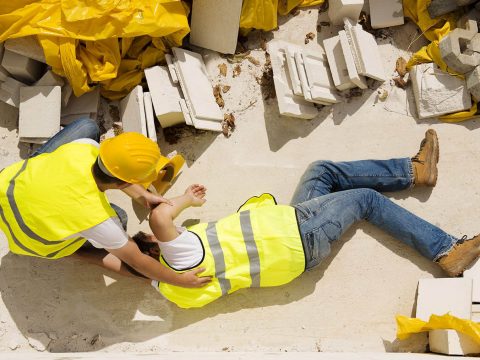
x=289, y=104
x=22, y=68
x=27, y=46
x=473, y=83
x=353, y=74
x=50, y=79
x=441, y=7
x=149, y=116
x=339, y=9
x=438, y=93
x=4, y=74
x=132, y=112
x=77, y=106
x=473, y=272
x=452, y=342
x=441, y=296
x=458, y=57
x=165, y=96
x=386, y=13
x=336, y=61
x=39, y=115
x=10, y=91
x=215, y=24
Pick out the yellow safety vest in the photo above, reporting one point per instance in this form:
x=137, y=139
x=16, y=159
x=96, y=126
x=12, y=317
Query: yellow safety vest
x=49, y=198
x=259, y=246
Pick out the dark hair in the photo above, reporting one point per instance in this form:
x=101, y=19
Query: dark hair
x=104, y=178
x=140, y=239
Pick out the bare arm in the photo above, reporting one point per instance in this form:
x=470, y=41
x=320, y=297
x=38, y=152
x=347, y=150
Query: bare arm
x=144, y=197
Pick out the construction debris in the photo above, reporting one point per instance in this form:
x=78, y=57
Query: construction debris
x=225, y=88
x=132, y=112
x=401, y=67
x=340, y=9
x=27, y=46
x=228, y=124
x=22, y=68
x=237, y=70
x=223, y=69
x=308, y=37
x=218, y=96
x=386, y=13
x=85, y=105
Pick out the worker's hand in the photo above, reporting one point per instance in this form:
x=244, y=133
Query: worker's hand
x=196, y=192
x=150, y=201
x=190, y=279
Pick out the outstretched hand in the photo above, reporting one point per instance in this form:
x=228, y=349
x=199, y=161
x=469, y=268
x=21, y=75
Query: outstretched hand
x=190, y=279
x=150, y=201
x=196, y=192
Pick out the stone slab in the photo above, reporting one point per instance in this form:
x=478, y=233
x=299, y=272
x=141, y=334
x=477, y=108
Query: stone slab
x=149, y=116
x=215, y=23
x=132, y=112
x=339, y=9
x=337, y=63
x=10, y=91
x=451, y=342
x=22, y=68
x=27, y=46
x=386, y=13
x=353, y=74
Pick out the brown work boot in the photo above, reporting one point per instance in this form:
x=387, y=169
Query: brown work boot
x=425, y=162
x=463, y=253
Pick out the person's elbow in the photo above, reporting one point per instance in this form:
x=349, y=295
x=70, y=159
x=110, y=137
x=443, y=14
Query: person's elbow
x=160, y=216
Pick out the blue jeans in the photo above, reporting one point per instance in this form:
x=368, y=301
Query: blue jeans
x=331, y=197
x=83, y=128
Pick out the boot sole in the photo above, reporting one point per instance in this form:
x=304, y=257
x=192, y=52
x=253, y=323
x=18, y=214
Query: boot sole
x=432, y=179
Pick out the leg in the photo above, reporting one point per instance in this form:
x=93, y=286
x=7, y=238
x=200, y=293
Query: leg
x=78, y=129
x=324, y=219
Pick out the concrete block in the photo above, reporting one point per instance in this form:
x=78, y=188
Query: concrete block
x=475, y=312
x=165, y=96
x=50, y=79
x=215, y=23
x=473, y=272
x=10, y=91
x=149, y=116
x=171, y=68
x=67, y=119
x=386, y=13
x=317, y=83
x=290, y=52
x=39, y=115
x=132, y=112
x=336, y=61
x=455, y=52
x=438, y=93
x=289, y=104
x=452, y=342
x=339, y=9
x=88, y=103
x=441, y=7
x=4, y=74
x=67, y=93
x=353, y=74
x=22, y=68
x=441, y=296
x=365, y=51
x=473, y=83
x=27, y=46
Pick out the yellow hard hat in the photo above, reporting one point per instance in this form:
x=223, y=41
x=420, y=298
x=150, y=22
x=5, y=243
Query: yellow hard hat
x=131, y=157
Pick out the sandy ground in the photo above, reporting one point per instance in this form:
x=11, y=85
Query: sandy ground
x=348, y=303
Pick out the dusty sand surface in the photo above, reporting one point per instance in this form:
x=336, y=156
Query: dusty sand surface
x=348, y=303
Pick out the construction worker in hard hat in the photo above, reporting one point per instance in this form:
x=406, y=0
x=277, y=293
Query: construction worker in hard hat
x=53, y=204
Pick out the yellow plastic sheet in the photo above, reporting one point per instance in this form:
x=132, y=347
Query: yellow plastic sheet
x=408, y=326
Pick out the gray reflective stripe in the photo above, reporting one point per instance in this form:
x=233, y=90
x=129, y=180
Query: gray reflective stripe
x=218, y=257
x=56, y=252
x=18, y=216
x=251, y=245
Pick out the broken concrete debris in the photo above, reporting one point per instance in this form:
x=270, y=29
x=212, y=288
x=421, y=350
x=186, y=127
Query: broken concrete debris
x=81, y=106
x=337, y=63
x=10, y=91
x=386, y=13
x=132, y=112
x=438, y=8
x=473, y=83
x=21, y=67
x=149, y=116
x=339, y=9
x=4, y=74
x=352, y=71
x=27, y=46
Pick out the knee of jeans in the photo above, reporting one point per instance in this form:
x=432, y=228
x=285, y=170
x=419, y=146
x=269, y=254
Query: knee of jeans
x=318, y=167
x=89, y=128
x=371, y=198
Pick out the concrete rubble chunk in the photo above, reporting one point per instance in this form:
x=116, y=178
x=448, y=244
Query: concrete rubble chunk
x=339, y=9
x=27, y=46
x=475, y=311
x=441, y=296
x=149, y=116
x=132, y=112
x=337, y=63
x=455, y=52
x=4, y=74
x=289, y=104
x=473, y=83
x=22, y=68
x=215, y=24
x=386, y=13
x=166, y=96
x=39, y=115
x=438, y=8
x=438, y=93
x=87, y=104
x=291, y=50
x=473, y=272
x=451, y=342
x=171, y=68
x=10, y=91
x=197, y=90
x=353, y=74
x=50, y=79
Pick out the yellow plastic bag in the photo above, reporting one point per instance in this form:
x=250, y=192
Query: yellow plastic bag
x=408, y=326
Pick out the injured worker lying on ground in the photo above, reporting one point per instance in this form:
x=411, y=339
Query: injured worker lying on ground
x=265, y=244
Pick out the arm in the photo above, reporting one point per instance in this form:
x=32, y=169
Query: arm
x=144, y=197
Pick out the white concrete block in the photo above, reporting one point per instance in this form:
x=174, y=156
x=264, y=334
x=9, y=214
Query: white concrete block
x=353, y=74
x=67, y=93
x=438, y=93
x=289, y=104
x=10, y=91
x=186, y=112
x=365, y=51
x=339, y=9
x=50, y=79
x=87, y=103
x=336, y=61
x=452, y=342
x=473, y=272
x=171, y=68
x=441, y=296
x=317, y=83
x=215, y=23
x=165, y=96
x=67, y=119
x=132, y=112
x=39, y=115
x=39, y=141
x=475, y=312
x=149, y=116
x=4, y=74
x=27, y=46
x=386, y=13
x=290, y=52
x=22, y=68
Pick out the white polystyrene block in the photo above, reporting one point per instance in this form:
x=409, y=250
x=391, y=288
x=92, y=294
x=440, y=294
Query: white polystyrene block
x=289, y=104
x=451, y=342
x=353, y=74
x=10, y=91
x=21, y=67
x=215, y=23
x=473, y=272
x=39, y=111
x=339, y=9
x=149, y=116
x=165, y=96
x=441, y=296
x=386, y=13
x=337, y=64
x=132, y=112
x=438, y=93
x=290, y=52
x=27, y=46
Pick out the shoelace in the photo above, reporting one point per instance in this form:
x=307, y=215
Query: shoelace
x=422, y=145
x=462, y=240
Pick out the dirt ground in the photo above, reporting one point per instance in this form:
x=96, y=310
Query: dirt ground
x=347, y=304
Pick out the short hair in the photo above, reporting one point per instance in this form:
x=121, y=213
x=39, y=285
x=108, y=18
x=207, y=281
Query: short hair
x=104, y=178
x=140, y=239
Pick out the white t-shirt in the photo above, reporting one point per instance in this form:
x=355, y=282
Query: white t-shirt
x=184, y=252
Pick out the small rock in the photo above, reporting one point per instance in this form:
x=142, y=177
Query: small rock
x=401, y=66
x=39, y=342
x=225, y=88
x=223, y=69
x=94, y=339
x=309, y=36
x=382, y=95
x=253, y=60
x=237, y=70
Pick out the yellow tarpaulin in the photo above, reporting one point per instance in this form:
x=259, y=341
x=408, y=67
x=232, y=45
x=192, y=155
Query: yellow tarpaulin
x=408, y=326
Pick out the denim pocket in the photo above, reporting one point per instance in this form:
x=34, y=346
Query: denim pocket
x=332, y=230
